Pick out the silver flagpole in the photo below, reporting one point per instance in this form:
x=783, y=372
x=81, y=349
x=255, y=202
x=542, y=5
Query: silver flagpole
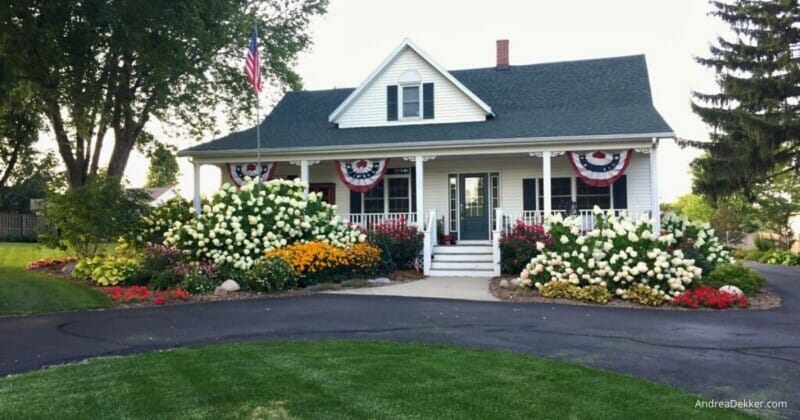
x=258, y=137
x=258, y=116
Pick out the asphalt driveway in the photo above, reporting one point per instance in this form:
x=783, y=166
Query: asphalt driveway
x=736, y=354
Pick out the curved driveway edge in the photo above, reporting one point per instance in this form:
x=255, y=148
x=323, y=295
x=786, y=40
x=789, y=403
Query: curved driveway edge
x=733, y=354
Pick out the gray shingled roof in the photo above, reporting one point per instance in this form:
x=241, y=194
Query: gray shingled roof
x=571, y=98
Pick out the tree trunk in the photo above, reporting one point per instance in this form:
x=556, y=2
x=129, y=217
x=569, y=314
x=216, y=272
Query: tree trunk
x=75, y=173
x=11, y=163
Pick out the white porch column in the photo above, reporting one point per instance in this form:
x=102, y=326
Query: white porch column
x=548, y=184
x=420, y=181
x=196, y=166
x=654, y=205
x=304, y=175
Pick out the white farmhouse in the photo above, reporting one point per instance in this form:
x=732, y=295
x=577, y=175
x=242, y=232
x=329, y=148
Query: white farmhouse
x=477, y=149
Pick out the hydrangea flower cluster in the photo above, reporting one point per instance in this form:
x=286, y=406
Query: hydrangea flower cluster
x=618, y=253
x=237, y=226
x=699, y=235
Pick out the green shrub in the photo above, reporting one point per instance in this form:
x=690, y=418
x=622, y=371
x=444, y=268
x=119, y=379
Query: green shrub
x=198, y=283
x=745, y=278
x=764, y=244
x=644, y=295
x=84, y=219
x=166, y=279
x=594, y=293
x=559, y=289
x=779, y=256
x=272, y=274
x=752, y=255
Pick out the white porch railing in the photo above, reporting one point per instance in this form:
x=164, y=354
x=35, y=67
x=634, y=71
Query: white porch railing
x=428, y=241
x=537, y=217
x=367, y=220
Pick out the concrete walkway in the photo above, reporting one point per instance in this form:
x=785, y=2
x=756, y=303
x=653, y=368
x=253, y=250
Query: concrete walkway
x=462, y=288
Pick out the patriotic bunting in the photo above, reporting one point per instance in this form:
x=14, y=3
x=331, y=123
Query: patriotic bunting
x=361, y=175
x=600, y=169
x=240, y=171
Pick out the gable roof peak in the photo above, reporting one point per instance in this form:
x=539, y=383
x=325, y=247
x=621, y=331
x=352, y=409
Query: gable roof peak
x=406, y=44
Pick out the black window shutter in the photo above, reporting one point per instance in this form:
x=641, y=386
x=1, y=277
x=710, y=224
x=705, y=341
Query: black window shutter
x=621, y=193
x=540, y=195
x=427, y=101
x=391, y=103
x=355, y=202
x=414, y=192
x=528, y=194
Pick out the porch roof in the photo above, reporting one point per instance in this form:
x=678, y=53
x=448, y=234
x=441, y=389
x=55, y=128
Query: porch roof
x=599, y=97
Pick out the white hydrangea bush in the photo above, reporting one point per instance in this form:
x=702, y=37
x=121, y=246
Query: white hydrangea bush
x=698, y=235
x=237, y=226
x=618, y=253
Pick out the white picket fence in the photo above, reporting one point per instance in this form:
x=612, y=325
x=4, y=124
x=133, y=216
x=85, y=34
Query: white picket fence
x=16, y=226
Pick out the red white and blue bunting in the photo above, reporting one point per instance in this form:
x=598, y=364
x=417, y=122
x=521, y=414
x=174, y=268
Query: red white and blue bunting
x=361, y=175
x=240, y=171
x=601, y=168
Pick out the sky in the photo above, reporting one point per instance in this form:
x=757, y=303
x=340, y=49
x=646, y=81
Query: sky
x=352, y=39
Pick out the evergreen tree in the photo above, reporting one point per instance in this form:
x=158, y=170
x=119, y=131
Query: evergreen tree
x=756, y=115
x=163, y=169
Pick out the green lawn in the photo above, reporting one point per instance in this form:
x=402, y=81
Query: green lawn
x=23, y=291
x=338, y=379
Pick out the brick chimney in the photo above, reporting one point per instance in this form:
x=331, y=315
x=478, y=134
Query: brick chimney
x=502, y=54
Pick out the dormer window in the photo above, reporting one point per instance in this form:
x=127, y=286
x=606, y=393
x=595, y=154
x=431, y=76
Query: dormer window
x=411, y=99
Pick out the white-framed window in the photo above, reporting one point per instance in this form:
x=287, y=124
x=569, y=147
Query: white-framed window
x=391, y=195
x=411, y=101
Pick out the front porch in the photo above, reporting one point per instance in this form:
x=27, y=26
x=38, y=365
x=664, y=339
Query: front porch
x=470, y=196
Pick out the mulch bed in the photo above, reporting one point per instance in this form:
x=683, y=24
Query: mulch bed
x=399, y=276
x=765, y=299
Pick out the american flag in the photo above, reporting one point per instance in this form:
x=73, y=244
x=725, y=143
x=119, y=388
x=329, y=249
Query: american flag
x=252, y=66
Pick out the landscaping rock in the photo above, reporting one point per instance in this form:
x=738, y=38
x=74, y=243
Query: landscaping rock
x=69, y=268
x=219, y=291
x=731, y=289
x=515, y=282
x=380, y=280
x=229, y=286
x=504, y=284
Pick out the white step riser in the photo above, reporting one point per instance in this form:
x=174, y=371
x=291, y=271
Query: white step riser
x=462, y=250
x=463, y=257
x=461, y=265
x=461, y=273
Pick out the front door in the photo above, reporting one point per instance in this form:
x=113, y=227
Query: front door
x=474, y=212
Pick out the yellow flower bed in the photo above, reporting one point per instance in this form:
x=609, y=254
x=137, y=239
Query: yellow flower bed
x=363, y=256
x=315, y=257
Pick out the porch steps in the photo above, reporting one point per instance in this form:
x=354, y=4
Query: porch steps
x=462, y=261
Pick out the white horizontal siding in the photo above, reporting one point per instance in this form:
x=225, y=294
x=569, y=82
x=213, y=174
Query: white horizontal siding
x=639, y=183
x=450, y=103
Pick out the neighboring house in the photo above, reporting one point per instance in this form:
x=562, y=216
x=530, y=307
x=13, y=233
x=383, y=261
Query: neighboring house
x=477, y=148
x=159, y=195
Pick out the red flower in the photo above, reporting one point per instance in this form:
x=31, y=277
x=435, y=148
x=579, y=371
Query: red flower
x=709, y=297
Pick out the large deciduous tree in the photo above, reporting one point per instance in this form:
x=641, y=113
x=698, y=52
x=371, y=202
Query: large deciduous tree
x=755, y=116
x=110, y=66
